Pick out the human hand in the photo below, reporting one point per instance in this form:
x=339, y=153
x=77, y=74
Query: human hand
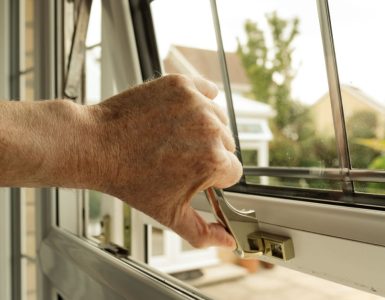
x=159, y=144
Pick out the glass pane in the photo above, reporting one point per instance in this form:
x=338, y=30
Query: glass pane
x=301, y=142
x=360, y=56
x=277, y=74
x=276, y=67
x=370, y=187
x=295, y=182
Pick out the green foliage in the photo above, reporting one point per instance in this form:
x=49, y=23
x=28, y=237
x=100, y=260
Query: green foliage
x=360, y=126
x=378, y=163
x=270, y=68
x=249, y=157
x=375, y=144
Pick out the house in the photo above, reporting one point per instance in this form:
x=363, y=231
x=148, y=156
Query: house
x=204, y=62
x=354, y=100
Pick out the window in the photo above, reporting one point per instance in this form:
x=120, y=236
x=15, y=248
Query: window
x=307, y=196
x=305, y=156
x=362, y=96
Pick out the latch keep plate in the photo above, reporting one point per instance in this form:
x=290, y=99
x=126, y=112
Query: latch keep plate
x=244, y=227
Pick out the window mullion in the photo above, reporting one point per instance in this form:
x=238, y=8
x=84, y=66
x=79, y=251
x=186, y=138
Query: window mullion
x=226, y=80
x=335, y=94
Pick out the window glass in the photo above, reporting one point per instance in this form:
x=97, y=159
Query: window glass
x=277, y=75
x=217, y=272
x=359, y=49
x=192, y=54
x=276, y=69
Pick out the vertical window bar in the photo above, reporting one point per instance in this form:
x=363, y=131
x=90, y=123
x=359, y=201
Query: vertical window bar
x=14, y=93
x=145, y=38
x=226, y=80
x=16, y=236
x=335, y=95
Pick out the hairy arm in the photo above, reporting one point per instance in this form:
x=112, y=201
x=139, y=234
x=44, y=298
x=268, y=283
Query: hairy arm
x=42, y=143
x=153, y=146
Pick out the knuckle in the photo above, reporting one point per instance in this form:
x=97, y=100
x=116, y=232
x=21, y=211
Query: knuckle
x=181, y=88
x=178, y=80
x=210, y=128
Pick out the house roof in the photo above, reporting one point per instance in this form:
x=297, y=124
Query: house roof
x=360, y=96
x=181, y=59
x=245, y=107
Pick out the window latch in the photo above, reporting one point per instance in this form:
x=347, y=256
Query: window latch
x=244, y=227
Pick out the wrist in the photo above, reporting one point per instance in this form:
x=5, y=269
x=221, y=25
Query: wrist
x=72, y=140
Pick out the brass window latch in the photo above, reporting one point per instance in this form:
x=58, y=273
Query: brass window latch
x=244, y=227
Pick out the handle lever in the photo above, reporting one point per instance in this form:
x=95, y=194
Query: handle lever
x=244, y=227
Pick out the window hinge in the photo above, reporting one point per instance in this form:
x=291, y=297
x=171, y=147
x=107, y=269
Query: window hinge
x=244, y=227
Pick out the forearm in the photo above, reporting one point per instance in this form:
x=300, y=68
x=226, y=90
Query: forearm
x=43, y=143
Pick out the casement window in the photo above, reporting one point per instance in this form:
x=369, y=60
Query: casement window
x=313, y=171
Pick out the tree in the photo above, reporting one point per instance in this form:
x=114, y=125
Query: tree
x=378, y=163
x=361, y=125
x=270, y=68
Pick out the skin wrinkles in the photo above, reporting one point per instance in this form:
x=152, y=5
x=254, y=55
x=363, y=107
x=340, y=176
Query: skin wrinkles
x=153, y=146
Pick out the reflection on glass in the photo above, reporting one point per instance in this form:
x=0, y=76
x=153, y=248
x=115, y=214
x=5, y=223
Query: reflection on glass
x=360, y=57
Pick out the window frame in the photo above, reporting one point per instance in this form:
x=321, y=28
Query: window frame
x=5, y=205
x=5, y=250
x=345, y=175
x=277, y=216
x=291, y=217
x=50, y=237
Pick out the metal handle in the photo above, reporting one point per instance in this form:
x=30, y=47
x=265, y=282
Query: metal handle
x=244, y=227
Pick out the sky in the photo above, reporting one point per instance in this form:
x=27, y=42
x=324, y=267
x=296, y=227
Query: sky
x=357, y=28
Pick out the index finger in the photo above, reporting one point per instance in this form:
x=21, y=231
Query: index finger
x=206, y=87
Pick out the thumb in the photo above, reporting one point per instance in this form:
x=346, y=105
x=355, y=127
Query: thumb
x=200, y=234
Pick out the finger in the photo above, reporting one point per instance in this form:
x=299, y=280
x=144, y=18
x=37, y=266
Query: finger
x=227, y=139
x=219, y=112
x=200, y=234
x=225, y=133
x=230, y=173
x=207, y=88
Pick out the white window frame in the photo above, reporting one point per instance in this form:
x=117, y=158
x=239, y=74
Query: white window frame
x=5, y=197
x=330, y=241
x=5, y=249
